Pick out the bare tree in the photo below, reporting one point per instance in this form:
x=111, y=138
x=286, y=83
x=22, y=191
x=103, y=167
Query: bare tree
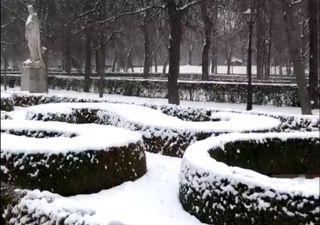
x=293, y=45
x=314, y=7
x=207, y=41
x=175, y=14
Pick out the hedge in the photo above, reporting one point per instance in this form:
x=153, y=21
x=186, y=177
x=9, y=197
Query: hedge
x=167, y=140
x=33, y=208
x=231, y=92
x=220, y=180
x=7, y=103
x=87, y=162
x=288, y=122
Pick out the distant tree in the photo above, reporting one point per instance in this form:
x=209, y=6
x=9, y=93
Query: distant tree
x=314, y=38
x=175, y=12
x=207, y=41
x=293, y=45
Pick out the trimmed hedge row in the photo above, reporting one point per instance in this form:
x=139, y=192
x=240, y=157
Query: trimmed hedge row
x=275, y=94
x=30, y=208
x=222, y=194
x=7, y=103
x=70, y=171
x=288, y=122
x=165, y=141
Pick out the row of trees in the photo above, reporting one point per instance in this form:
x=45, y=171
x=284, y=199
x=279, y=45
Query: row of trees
x=96, y=33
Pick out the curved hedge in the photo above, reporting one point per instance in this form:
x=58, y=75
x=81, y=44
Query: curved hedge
x=288, y=122
x=162, y=134
x=7, y=103
x=35, y=208
x=218, y=186
x=69, y=159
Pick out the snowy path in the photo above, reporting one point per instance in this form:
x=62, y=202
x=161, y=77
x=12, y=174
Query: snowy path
x=152, y=199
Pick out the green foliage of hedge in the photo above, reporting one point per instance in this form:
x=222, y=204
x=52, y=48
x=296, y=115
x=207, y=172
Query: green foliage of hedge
x=273, y=156
x=167, y=142
x=73, y=172
x=7, y=104
x=17, y=209
x=288, y=122
x=218, y=199
x=275, y=94
x=9, y=198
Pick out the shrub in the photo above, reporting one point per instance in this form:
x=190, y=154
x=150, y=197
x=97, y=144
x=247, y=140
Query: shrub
x=220, y=181
x=170, y=137
x=7, y=103
x=69, y=159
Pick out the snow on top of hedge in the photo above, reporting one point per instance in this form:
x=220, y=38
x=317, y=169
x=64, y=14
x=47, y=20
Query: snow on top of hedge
x=5, y=95
x=197, y=158
x=155, y=118
x=87, y=137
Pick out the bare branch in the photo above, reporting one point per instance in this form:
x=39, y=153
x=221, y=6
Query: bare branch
x=188, y=5
x=3, y=26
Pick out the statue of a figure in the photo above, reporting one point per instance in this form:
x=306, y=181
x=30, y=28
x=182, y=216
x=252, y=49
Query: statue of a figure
x=33, y=38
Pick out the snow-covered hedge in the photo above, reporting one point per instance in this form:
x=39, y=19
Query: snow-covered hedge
x=232, y=92
x=161, y=133
x=67, y=158
x=226, y=179
x=7, y=103
x=33, y=208
x=5, y=116
x=288, y=122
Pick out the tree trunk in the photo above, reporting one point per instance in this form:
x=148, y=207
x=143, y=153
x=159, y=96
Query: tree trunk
x=314, y=51
x=129, y=59
x=293, y=44
x=155, y=58
x=206, y=47
x=269, y=44
x=165, y=64
x=260, y=27
x=190, y=51
x=5, y=67
x=67, y=53
x=174, y=51
x=146, y=35
x=228, y=66
x=214, y=50
x=101, y=62
x=97, y=59
x=115, y=59
x=87, y=72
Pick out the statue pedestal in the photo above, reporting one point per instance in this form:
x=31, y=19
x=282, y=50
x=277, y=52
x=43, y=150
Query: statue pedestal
x=34, y=79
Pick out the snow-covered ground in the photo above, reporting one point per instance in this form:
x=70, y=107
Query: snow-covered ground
x=222, y=69
x=152, y=199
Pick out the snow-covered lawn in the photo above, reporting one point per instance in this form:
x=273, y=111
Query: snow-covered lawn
x=152, y=199
x=222, y=69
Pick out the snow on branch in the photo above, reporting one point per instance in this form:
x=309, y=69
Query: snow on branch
x=188, y=5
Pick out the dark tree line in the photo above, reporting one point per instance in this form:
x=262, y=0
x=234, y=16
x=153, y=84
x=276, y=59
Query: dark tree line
x=89, y=35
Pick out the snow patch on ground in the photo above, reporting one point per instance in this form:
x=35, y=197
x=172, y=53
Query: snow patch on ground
x=152, y=199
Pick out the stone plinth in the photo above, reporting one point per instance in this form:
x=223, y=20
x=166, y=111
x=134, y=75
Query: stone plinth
x=34, y=79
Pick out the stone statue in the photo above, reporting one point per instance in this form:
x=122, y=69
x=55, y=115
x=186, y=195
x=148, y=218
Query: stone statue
x=33, y=39
x=34, y=76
